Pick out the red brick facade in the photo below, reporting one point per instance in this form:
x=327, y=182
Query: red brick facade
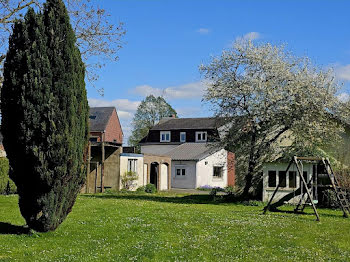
x=114, y=131
x=231, y=171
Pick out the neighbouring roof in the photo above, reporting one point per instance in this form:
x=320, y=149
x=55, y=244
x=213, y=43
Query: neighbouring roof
x=188, y=123
x=192, y=151
x=99, y=117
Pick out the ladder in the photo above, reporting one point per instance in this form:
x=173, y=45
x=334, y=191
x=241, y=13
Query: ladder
x=339, y=191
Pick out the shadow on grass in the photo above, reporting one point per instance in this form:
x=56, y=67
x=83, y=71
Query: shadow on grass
x=190, y=199
x=309, y=213
x=9, y=229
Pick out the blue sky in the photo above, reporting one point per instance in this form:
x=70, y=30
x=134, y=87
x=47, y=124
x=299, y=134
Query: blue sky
x=166, y=41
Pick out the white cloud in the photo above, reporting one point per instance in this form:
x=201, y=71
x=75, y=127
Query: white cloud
x=203, y=31
x=343, y=72
x=145, y=90
x=189, y=111
x=125, y=107
x=343, y=97
x=249, y=36
x=186, y=91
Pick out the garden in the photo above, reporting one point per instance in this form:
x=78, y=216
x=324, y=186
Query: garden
x=169, y=226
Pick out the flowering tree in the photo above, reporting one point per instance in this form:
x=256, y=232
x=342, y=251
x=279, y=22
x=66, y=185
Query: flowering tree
x=270, y=98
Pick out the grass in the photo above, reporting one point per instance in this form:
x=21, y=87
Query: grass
x=169, y=227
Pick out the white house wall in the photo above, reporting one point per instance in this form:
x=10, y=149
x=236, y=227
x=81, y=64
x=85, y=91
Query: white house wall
x=164, y=177
x=268, y=191
x=124, y=167
x=187, y=181
x=157, y=149
x=205, y=170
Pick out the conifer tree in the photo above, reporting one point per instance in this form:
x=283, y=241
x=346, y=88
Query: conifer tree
x=45, y=115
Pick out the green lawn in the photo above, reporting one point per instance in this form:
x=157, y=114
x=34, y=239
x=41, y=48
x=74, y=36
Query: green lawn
x=165, y=227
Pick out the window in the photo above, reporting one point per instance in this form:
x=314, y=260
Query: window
x=164, y=136
x=182, y=136
x=218, y=171
x=272, y=178
x=93, y=138
x=292, y=179
x=282, y=177
x=201, y=136
x=132, y=165
x=180, y=171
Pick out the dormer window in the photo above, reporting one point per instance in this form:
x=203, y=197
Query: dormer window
x=201, y=136
x=164, y=136
x=182, y=136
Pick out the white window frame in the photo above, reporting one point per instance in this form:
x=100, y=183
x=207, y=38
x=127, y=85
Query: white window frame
x=183, y=171
x=201, y=139
x=165, y=133
x=132, y=165
x=182, y=133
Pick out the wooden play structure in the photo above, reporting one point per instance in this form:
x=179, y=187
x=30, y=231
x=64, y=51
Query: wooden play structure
x=308, y=190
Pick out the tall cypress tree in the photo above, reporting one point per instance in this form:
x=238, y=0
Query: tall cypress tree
x=45, y=115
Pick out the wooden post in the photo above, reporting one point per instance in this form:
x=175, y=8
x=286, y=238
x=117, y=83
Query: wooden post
x=277, y=188
x=96, y=174
x=307, y=189
x=102, y=167
x=88, y=168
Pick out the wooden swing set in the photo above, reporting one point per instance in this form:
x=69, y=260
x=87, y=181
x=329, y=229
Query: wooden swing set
x=309, y=187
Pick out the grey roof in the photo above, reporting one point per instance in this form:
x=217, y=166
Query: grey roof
x=1, y=138
x=99, y=117
x=192, y=151
x=188, y=123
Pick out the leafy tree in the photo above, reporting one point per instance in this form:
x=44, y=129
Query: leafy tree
x=45, y=115
x=148, y=113
x=96, y=35
x=270, y=98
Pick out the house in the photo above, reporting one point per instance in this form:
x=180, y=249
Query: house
x=105, y=147
x=275, y=172
x=190, y=144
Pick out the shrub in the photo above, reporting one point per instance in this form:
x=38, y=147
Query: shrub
x=150, y=188
x=215, y=190
x=230, y=190
x=128, y=179
x=6, y=184
x=141, y=189
x=329, y=199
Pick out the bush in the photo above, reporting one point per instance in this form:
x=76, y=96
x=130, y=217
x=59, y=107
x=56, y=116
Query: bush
x=150, y=188
x=230, y=190
x=329, y=199
x=128, y=179
x=7, y=186
x=215, y=190
x=141, y=189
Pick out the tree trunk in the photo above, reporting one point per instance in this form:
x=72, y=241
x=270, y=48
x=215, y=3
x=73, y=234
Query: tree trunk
x=251, y=167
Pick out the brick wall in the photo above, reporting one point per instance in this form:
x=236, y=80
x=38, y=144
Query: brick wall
x=114, y=129
x=231, y=169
